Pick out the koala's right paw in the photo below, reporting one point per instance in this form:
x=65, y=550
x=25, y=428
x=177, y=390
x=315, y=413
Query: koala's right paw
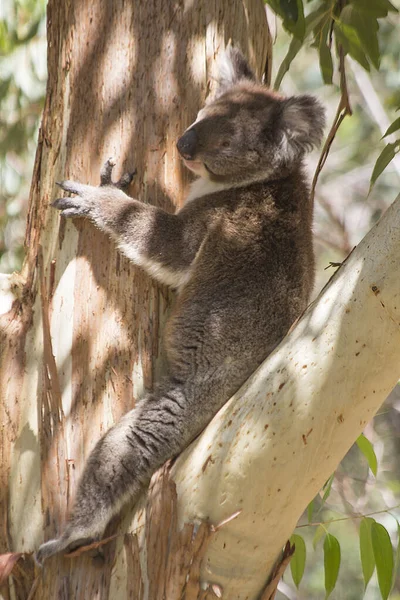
x=88, y=198
x=78, y=206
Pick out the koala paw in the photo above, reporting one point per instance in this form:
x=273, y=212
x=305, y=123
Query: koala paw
x=86, y=197
x=78, y=206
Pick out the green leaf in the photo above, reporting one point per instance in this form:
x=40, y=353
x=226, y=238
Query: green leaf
x=348, y=37
x=314, y=21
x=298, y=562
x=319, y=534
x=366, y=27
x=393, y=127
x=290, y=9
x=310, y=510
x=383, y=554
x=368, y=450
x=366, y=550
x=327, y=489
x=377, y=8
x=387, y=154
x=294, y=48
x=317, y=19
x=292, y=15
x=325, y=62
x=331, y=562
x=397, y=558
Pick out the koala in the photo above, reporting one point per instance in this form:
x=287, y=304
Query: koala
x=239, y=255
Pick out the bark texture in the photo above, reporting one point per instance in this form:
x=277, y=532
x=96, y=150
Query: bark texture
x=80, y=329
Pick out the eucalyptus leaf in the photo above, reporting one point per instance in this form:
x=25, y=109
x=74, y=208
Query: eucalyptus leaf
x=368, y=450
x=393, y=127
x=290, y=9
x=366, y=550
x=387, y=154
x=347, y=36
x=314, y=22
x=292, y=15
x=397, y=558
x=377, y=8
x=298, y=561
x=319, y=534
x=310, y=510
x=383, y=554
x=327, y=489
x=294, y=47
x=325, y=62
x=317, y=19
x=331, y=562
x=366, y=28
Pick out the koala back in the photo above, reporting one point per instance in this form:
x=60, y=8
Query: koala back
x=254, y=272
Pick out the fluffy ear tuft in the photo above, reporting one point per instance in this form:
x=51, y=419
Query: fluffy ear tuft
x=303, y=122
x=233, y=67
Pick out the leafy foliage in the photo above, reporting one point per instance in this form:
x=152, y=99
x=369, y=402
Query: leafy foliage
x=22, y=87
x=337, y=28
x=352, y=24
x=376, y=554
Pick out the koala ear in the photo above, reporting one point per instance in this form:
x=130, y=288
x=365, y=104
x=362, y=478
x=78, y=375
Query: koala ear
x=232, y=67
x=303, y=121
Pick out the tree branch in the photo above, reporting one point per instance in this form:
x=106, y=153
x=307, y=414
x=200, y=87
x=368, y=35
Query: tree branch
x=273, y=445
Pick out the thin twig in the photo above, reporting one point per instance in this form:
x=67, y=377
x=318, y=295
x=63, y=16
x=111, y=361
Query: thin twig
x=375, y=512
x=343, y=109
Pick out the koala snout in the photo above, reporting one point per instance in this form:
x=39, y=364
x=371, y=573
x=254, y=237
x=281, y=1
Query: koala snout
x=187, y=144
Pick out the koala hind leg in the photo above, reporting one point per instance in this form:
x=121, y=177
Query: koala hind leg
x=124, y=459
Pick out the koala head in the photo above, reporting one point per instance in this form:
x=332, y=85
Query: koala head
x=247, y=132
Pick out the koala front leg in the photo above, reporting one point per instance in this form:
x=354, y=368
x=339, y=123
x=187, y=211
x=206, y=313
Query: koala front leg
x=162, y=244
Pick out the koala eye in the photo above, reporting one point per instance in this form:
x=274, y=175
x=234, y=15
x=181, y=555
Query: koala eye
x=226, y=144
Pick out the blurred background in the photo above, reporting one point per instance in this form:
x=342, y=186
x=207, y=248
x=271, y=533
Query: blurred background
x=22, y=90
x=344, y=212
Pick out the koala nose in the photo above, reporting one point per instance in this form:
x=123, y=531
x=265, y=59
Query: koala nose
x=187, y=144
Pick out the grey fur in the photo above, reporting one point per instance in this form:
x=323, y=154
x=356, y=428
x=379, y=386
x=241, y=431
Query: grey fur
x=240, y=255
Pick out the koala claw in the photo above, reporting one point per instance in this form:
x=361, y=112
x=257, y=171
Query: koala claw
x=66, y=546
x=73, y=187
x=71, y=207
x=106, y=179
x=125, y=180
x=106, y=171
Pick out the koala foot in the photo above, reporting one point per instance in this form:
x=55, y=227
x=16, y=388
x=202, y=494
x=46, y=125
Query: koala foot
x=59, y=545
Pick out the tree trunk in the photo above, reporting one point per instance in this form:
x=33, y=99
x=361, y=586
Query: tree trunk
x=80, y=329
